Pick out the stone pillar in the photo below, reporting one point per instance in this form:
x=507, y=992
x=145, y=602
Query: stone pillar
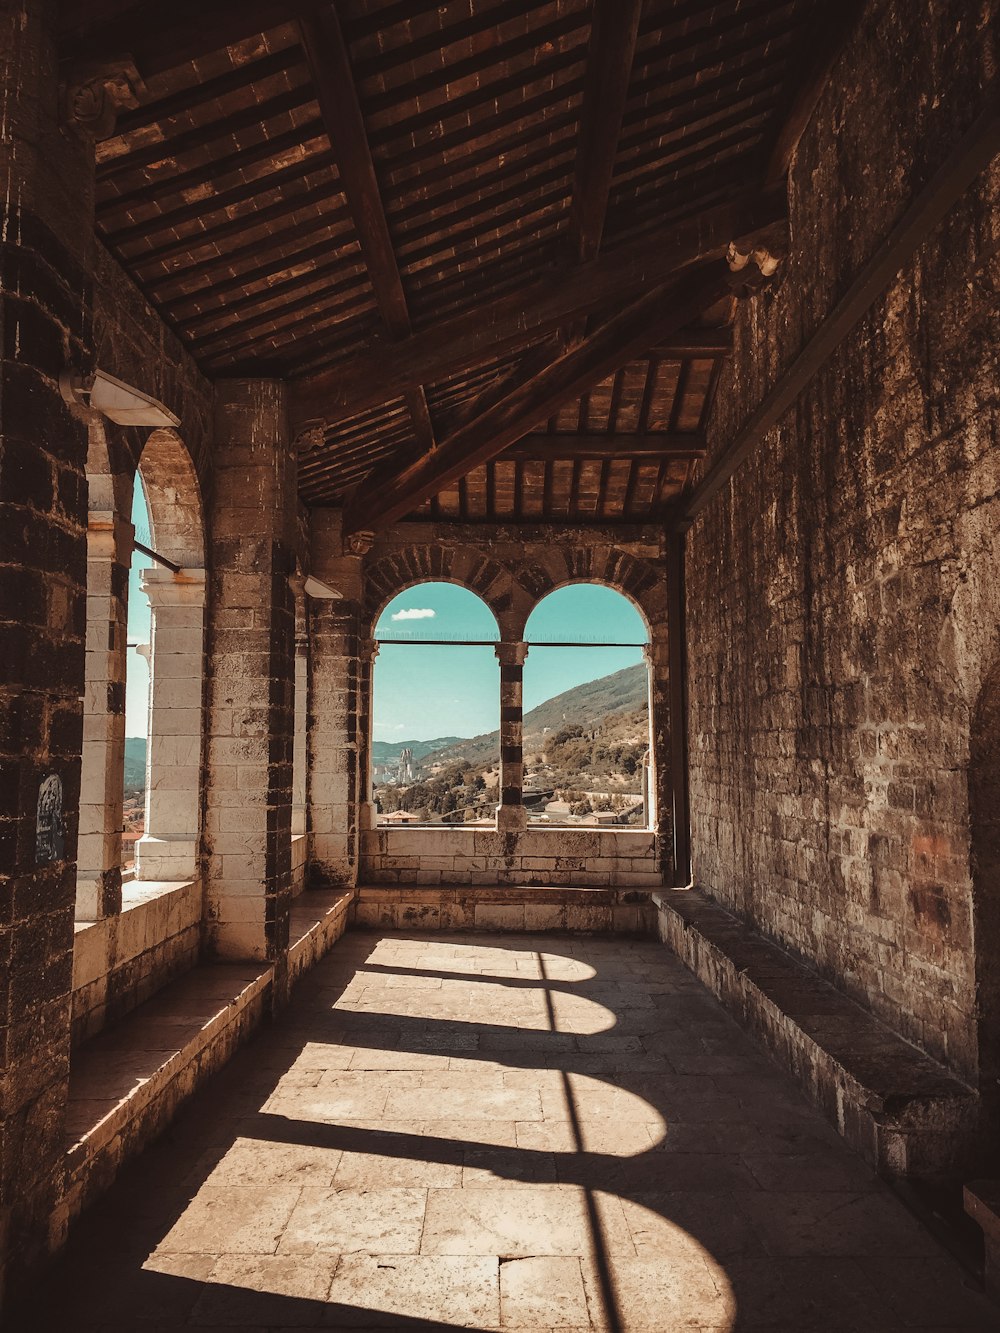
x=248, y=802
x=46, y=244
x=512, y=817
x=367, y=653
x=333, y=749
x=299, y=741
x=659, y=806
x=168, y=848
x=99, y=848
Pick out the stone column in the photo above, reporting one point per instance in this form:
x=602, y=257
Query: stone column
x=299, y=742
x=99, y=847
x=46, y=247
x=512, y=817
x=248, y=802
x=168, y=848
x=333, y=743
x=367, y=653
x=660, y=821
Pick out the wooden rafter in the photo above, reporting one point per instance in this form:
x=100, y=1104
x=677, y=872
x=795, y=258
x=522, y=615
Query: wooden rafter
x=162, y=37
x=610, y=52
x=550, y=448
x=539, y=394
x=330, y=63
x=535, y=310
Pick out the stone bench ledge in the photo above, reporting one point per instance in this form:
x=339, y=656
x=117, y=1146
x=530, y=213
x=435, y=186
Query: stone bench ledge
x=126, y=1084
x=904, y=1112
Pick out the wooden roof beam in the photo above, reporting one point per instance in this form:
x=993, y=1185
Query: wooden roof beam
x=541, y=392
x=654, y=446
x=161, y=37
x=511, y=322
x=613, y=34
x=336, y=91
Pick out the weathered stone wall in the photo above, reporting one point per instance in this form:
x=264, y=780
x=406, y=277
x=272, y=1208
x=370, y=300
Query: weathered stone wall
x=578, y=857
x=45, y=317
x=844, y=598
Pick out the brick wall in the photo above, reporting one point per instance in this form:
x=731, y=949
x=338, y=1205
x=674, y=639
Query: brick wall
x=844, y=598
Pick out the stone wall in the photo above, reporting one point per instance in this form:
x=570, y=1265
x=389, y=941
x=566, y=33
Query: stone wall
x=844, y=599
x=586, y=857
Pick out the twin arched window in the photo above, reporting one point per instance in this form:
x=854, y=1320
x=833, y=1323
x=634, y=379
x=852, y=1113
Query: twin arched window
x=436, y=751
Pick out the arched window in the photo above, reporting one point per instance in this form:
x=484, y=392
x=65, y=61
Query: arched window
x=586, y=729
x=136, y=685
x=435, y=749
x=174, y=583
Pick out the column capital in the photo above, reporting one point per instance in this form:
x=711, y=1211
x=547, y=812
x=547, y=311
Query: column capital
x=368, y=650
x=511, y=653
x=109, y=536
x=165, y=588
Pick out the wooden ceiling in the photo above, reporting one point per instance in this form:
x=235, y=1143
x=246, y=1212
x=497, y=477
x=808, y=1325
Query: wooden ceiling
x=482, y=239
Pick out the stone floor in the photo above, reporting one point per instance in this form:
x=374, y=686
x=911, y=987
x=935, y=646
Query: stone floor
x=504, y=1132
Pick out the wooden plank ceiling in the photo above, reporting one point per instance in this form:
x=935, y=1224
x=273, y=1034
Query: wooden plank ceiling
x=483, y=239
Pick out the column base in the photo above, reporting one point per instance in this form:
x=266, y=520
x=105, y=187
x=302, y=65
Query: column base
x=512, y=818
x=165, y=859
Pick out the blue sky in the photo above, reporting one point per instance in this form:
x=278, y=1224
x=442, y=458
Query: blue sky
x=425, y=692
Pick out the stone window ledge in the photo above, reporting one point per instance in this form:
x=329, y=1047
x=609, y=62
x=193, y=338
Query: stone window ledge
x=152, y=911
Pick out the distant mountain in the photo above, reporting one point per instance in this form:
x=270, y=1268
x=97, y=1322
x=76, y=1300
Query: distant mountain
x=588, y=706
x=135, y=763
x=388, y=752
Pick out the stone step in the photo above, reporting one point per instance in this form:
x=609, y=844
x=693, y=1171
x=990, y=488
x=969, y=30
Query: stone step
x=904, y=1112
x=627, y=911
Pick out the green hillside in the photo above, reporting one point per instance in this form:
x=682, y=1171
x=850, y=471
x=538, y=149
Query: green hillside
x=135, y=763
x=600, y=705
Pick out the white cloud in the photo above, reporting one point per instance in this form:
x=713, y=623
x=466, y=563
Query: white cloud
x=384, y=726
x=415, y=613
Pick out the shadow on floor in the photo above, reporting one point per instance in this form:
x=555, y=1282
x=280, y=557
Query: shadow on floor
x=514, y=1106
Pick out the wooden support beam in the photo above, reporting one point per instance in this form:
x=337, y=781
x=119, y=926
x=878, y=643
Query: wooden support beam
x=821, y=48
x=974, y=152
x=534, y=448
x=540, y=394
x=161, y=37
x=513, y=321
x=330, y=64
x=613, y=32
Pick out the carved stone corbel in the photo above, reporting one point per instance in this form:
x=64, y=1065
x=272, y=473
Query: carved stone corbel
x=93, y=93
x=752, y=270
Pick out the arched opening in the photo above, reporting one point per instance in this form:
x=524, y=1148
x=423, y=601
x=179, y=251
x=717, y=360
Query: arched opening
x=435, y=745
x=173, y=581
x=136, y=685
x=587, y=739
x=984, y=814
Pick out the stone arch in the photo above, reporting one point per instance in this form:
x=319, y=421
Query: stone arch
x=173, y=494
x=984, y=829
x=396, y=572
x=641, y=582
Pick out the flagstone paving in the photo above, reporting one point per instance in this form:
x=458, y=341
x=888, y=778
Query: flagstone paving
x=505, y=1132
